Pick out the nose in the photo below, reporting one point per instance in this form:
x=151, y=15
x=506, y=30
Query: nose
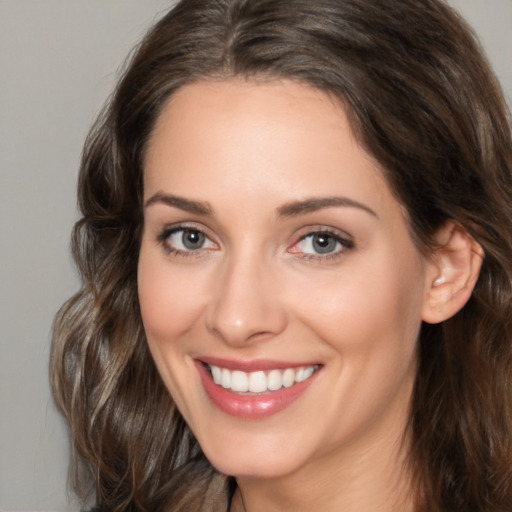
x=246, y=304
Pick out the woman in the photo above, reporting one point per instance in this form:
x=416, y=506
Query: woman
x=296, y=261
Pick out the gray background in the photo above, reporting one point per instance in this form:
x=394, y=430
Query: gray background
x=58, y=60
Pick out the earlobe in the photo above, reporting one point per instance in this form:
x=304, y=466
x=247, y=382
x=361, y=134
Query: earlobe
x=452, y=273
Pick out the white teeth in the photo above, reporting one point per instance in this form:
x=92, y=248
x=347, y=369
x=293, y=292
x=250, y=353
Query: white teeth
x=308, y=372
x=260, y=381
x=216, y=374
x=274, y=380
x=288, y=378
x=257, y=382
x=226, y=378
x=239, y=381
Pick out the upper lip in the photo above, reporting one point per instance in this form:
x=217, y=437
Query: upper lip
x=253, y=365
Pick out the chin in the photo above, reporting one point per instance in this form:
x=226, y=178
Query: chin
x=258, y=469
x=254, y=457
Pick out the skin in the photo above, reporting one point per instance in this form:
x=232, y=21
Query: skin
x=257, y=290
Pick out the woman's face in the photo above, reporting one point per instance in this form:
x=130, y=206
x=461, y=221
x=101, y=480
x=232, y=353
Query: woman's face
x=280, y=290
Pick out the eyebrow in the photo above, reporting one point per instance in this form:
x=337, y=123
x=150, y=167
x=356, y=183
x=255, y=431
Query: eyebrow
x=314, y=204
x=196, y=207
x=292, y=209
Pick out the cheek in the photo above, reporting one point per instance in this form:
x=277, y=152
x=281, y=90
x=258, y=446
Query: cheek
x=171, y=300
x=171, y=306
x=368, y=308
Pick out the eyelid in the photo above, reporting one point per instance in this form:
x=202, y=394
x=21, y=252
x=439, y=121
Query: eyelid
x=165, y=233
x=343, y=238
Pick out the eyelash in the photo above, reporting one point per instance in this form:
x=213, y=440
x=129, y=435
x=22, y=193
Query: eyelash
x=346, y=244
x=164, y=236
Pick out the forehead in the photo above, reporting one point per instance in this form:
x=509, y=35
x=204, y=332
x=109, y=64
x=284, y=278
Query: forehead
x=283, y=139
x=249, y=112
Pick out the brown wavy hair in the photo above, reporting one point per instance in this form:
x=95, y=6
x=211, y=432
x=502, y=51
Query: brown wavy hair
x=424, y=102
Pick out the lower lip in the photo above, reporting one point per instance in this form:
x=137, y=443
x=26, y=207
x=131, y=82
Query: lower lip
x=255, y=406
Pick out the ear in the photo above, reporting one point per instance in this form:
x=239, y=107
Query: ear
x=452, y=273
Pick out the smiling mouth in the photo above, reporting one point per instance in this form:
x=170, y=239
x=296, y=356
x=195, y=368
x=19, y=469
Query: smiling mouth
x=261, y=381
x=254, y=390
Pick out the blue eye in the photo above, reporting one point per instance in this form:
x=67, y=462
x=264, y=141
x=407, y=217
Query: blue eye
x=322, y=244
x=185, y=240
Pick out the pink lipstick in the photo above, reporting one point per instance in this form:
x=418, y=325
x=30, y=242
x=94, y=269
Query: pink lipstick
x=256, y=389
